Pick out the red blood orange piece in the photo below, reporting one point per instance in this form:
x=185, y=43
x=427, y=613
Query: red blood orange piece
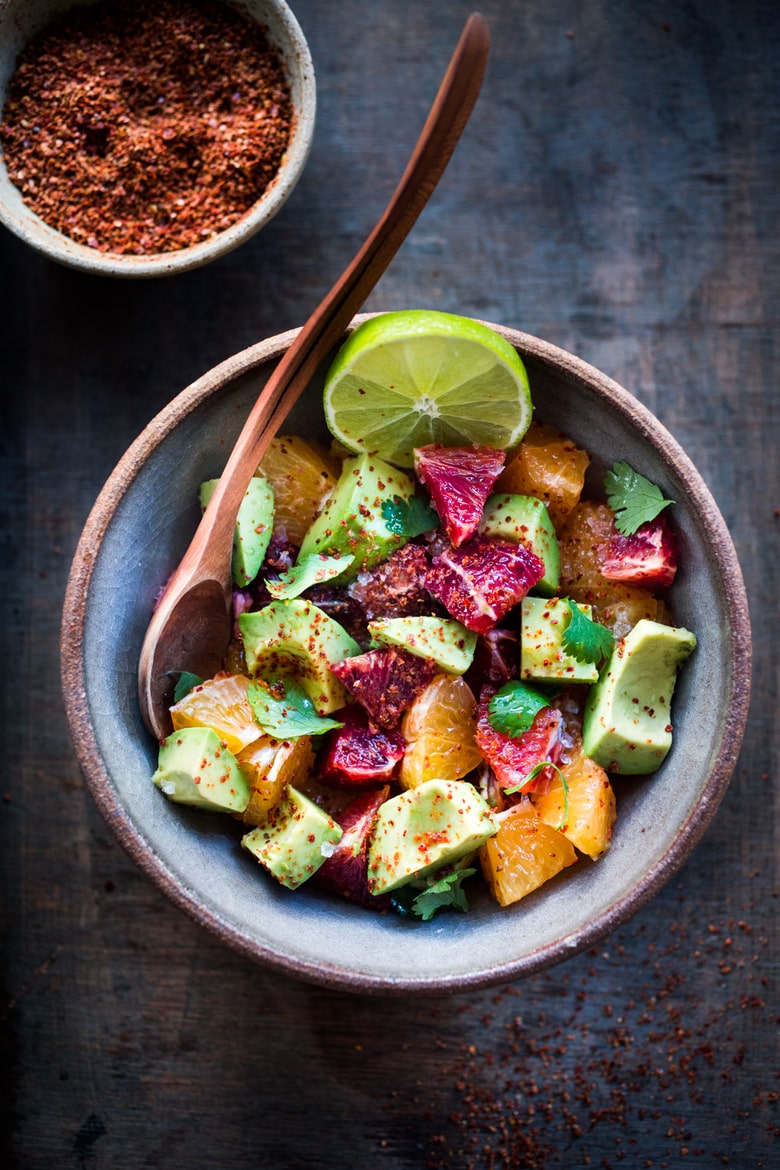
x=512, y=758
x=345, y=872
x=482, y=580
x=648, y=558
x=385, y=682
x=459, y=480
x=357, y=754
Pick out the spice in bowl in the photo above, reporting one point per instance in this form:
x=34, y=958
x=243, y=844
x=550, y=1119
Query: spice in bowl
x=137, y=127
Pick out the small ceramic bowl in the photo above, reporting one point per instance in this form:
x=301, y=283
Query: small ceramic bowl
x=136, y=534
x=22, y=19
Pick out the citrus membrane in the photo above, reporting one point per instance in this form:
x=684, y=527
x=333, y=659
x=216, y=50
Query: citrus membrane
x=406, y=379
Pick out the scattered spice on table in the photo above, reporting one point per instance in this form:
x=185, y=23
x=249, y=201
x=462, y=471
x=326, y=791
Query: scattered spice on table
x=551, y=1072
x=145, y=126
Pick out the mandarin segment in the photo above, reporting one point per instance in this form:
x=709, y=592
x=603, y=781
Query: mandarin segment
x=270, y=767
x=220, y=703
x=550, y=467
x=303, y=475
x=523, y=855
x=589, y=815
x=439, y=729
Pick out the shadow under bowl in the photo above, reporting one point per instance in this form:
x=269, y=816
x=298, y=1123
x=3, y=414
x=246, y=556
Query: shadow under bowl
x=136, y=534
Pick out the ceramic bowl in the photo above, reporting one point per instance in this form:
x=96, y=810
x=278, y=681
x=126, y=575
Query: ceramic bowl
x=21, y=19
x=136, y=534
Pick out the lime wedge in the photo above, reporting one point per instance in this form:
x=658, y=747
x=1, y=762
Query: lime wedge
x=402, y=380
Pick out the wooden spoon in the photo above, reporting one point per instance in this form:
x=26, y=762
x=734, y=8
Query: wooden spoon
x=191, y=626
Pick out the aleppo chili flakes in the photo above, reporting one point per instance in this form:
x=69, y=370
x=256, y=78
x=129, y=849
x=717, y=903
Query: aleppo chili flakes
x=143, y=126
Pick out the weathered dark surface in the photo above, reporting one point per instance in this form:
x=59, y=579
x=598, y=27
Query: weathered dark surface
x=616, y=193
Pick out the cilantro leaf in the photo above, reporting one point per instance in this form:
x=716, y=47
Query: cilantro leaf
x=287, y=716
x=311, y=570
x=186, y=682
x=584, y=639
x=633, y=499
x=536, y=771
x=410, y=517
x=447, y=891
x=514, y=707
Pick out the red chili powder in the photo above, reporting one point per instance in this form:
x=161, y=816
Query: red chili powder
x=145, y=126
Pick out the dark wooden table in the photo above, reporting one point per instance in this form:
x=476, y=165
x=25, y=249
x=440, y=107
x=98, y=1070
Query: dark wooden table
x=617, y=193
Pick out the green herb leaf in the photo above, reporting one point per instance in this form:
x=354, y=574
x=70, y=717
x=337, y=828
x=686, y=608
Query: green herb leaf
x=514, y=707
x=536, y=771
x=311, y=570
x=410, y=517
x=633, y=499
x=584, y=639
x=289, y=715
x=447, y=891
x=186, y=682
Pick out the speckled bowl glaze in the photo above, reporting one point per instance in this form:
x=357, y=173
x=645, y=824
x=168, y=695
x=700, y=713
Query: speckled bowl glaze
x=135, y=535
x=21, y=19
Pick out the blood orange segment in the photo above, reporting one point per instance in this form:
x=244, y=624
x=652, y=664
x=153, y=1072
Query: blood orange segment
x=647, y=559
x=302, y=475
x=513, y=758
x=439, y=730
x=588, y=815
x=459, y=480
x=523, y=855
x=550, y=467
x=220, y=703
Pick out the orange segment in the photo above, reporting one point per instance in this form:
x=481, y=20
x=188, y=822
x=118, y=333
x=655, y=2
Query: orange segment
x=220, y=703
x=591, y=806
x=302, y=475
x=524, y=854
x=583, y=541
x=548, y=466
x=270, y=765
x=439, y=730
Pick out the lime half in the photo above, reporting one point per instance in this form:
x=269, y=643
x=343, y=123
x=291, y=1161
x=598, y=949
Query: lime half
x=402, y=380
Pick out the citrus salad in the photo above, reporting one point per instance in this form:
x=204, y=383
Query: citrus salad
x=443, y=654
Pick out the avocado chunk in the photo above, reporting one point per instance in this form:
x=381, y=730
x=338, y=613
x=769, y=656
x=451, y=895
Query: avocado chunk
x=194, y=767
x=254, y=526
x=423, y=829
x=295, y=639
x=525, y=520
x=353, y=521
x=445, y=641
x=543, y=623
x=293, y=844
x=627, y=725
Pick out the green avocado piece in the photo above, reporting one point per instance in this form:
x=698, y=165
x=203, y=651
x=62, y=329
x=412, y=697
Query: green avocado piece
x=449, y=644
x=424, y=828
x=543, y=622
x=352, y=522
x=254, y=526
x=194, y=767
x=295, y=639
x=525, y=520
x=293, y=844
x=627, y=725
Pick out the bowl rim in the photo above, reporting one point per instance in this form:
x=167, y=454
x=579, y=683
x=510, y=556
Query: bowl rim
x=99, y=781
x=28, y=226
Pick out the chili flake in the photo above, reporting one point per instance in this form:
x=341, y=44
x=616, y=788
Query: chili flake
x=146, y=126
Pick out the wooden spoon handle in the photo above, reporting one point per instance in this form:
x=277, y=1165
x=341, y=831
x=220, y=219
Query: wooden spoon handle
x=449, y=114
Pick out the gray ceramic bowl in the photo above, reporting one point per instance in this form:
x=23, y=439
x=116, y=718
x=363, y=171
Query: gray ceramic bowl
x=136, y=534
x=21, y=19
